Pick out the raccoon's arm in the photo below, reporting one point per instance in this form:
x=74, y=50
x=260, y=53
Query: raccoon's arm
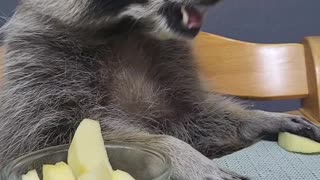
x=225, y=126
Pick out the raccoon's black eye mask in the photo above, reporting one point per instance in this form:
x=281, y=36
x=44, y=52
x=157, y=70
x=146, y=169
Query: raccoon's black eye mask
x=165, y=18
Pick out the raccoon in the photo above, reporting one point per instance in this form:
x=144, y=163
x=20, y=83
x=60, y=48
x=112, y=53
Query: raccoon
x=128, y=64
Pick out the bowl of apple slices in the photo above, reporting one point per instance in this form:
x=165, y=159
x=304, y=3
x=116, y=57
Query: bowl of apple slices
x=88, y=158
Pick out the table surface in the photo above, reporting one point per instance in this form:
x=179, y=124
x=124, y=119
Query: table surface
x=265, y=160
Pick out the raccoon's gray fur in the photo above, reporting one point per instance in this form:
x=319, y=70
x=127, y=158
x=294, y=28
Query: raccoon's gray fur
x=128, y=64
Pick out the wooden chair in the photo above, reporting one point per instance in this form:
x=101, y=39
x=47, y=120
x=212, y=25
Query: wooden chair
x=261, y=71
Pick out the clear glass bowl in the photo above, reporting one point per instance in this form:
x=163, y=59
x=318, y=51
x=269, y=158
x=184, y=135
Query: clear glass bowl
x=142, y=163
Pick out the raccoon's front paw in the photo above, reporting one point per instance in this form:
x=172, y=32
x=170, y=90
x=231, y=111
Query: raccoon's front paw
x=280, y=122
x=213, y=175
x=189, y=164
x=300, y=126
x=219, y=174
x=224, y=175
x=204, y=170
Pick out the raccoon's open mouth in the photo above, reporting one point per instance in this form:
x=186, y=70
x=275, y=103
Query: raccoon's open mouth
x=191, y=17
x=185, y=20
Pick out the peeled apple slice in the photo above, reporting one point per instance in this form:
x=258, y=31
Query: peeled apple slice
x=87, y=150
x=100, y=173
x=31, y=175
x=60, y=171
x=121, y=175
x=294, y=143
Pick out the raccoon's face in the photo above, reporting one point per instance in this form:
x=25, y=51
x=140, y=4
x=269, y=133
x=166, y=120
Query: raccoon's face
x=160, y=18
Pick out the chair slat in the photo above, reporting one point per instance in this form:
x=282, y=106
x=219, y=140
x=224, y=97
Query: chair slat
x=258, y=71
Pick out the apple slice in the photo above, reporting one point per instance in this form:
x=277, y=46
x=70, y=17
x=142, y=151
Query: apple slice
x=100, y=173
x=121, y=175
x=31, y=175
x=87, y=150
x=57, y=172
x=294, y=143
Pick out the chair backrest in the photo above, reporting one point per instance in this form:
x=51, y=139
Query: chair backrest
x=262, y=71
x=259, y=71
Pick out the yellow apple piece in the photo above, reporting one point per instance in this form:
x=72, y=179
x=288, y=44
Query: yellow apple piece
x=57, y=172
x=87, y=150
x=99, y=173
x=121, y=175
x=31, y=175
x=294, y=143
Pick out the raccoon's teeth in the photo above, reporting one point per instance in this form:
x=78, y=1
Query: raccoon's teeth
x=185, y=16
